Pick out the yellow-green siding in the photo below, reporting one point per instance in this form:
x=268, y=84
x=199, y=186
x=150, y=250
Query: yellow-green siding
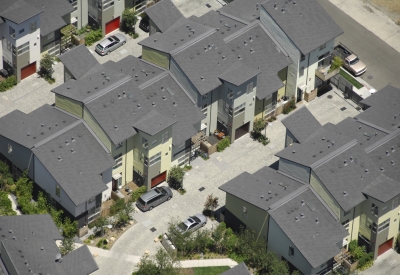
x=282, y=74
x=69, y=105
x=156, y=57
x=87, y=116
x=324, y=193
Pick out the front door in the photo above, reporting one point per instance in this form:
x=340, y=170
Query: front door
x=299, y=94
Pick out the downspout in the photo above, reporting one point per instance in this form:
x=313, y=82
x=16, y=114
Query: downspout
x=308, y=65
x=209, y=130
x=126, y=157
x=352, y=224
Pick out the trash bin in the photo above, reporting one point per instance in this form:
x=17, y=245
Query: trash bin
x=3, y=73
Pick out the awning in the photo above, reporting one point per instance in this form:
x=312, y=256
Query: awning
x=302, y=87
x=74, y=20
x=203, y=126
x=117, y=176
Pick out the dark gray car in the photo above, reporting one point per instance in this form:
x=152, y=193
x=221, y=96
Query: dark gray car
x=153, y=198
x=109, y=44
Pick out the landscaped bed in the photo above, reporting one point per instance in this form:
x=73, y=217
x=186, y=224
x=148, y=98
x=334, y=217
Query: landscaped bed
x=207, y=270
x=351, y=79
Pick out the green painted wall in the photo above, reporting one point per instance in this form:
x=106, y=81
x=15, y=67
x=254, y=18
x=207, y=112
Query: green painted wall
x=324, y=193
x=94, y=125
x=282, y=74
x=156, y=57
x=69, y=105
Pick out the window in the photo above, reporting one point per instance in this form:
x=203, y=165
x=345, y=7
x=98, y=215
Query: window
x=302, y=58
x=322, y=47
x=374, y=210
x=230, y=94
x=58, y=190
x=119, y=145
x=239, y=109
x=244, y=213
x=382, y=226
x=118, y=157
x=165, y=137
x=21, y=31
x=204, y=96
x=156, y=158
x=12, y=32
x=154, y=141
x=9, y=148
x=395, y=203
x=204, y=109
x=33, y=26
x=346, y=224
x=291, y=251
x=23, y=48
x=107, y=4
x=249, y=88
x=145, y=143
x=301, y=72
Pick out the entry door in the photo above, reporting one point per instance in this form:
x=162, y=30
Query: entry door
x=158, y=179
x=112, y=25
x=242, y=130
x=299, y=94
x=28, y=70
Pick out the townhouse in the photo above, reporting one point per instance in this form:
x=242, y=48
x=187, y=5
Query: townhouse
x=28, y=246
x=29, y=29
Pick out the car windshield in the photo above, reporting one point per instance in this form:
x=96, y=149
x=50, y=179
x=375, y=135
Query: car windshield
x=100, y=46
x=354, y=61
x=162, y=191
x=182, y=226
x=196, y=219
x=140, y=201
x=157, y=190
x=115, y=38
x=110, y=39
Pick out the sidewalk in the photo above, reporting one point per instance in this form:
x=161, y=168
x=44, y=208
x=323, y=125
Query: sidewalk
x=372, y=19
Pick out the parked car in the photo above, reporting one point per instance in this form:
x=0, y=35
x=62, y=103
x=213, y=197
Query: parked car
x=192, y=223
x=154, y=197
x=111, y=43
x=350, y=60
x=145, y=24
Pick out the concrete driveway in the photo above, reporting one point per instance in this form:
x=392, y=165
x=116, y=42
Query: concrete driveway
x=388, y=264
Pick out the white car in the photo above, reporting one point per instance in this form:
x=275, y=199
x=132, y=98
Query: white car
x=192, y=223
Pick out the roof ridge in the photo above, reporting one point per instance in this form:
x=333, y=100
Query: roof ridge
x=372, y=125
x=382, y=141
x=58, y=133
x=183, y=88
x=240, y=31
x=333, y=154
x=233, y=17
x=193, y=41
x=107, y=89
x=152, y=80
x=96, y=137
x=288, y=197
x=272, y=38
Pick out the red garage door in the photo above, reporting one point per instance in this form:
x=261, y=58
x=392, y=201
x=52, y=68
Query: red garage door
x=385, y=247
x=28, y=70
x=158, y=179
x=112, y=25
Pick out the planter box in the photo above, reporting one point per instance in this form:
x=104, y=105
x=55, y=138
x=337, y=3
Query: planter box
x=350, y=267
x=324, y=75
x=309, y=96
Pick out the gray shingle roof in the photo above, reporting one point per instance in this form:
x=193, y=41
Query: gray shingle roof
x=27, y=129
x=301, y=124
x=382, y=188
x=238, y=73
x=51, y=17
x=153, y=122
x=385, y=108
x=177, y=38
x=78, y=61
x=247, y=10
x=164, y=14
x=261, y=189
x=305, y=22
x=315, y=241
x=83, y=159
x=78, y=262
x=240, y=269
x=18, y=11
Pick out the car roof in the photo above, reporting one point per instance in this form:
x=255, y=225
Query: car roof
x=150, y=194
x=106, y=42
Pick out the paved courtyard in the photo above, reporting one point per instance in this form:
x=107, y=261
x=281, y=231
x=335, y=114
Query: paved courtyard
x=388, y=264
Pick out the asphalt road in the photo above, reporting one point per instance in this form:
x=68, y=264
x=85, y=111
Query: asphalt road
x=383, y=61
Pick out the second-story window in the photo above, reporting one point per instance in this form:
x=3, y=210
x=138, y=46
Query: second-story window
x=240, y=109
x=10, y=149
x=33, y=26
x=12, y=32
x=244, y=212
x=23, y=48
x=154, y=159
x=249, y=88
x=21, y=31
x=107, y=4
x=204, y=109
x=291, y=251
x=382, y=226
x=301, y=72
x=374, y=210
x=230, y=94
x=302, y=58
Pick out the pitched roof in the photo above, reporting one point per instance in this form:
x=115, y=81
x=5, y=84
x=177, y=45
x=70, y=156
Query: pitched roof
x=262, y=189
x=29, y=129
x=78, y=61
x=78, y=262
x=310, y=226
x=305, y=22
x=18, y=11
x=238, y=73
x=153, y=122
x=382, y=188
x=240, y=269
x=164, y=14
x=301, y=124
x=247, y=10
x=75, y=159
x=384, y=111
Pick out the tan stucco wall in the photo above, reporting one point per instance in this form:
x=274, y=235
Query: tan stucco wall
x=69, y=105
x=282, y=75
x=94, y=125
x=324, y=193
x=258, y=109
x=155, y=57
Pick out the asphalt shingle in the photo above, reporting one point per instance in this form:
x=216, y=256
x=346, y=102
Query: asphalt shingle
x=164, y=14
x=18, y=11
x=78, y=61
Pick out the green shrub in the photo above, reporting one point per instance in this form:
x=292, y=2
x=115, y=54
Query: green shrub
x=138, y=192
x=175, y=177
x=223, y=144
x=135, y=35
x=93, y=36
x=8, y=83
x=5, y=205
x=353, y=245
x=117, y=206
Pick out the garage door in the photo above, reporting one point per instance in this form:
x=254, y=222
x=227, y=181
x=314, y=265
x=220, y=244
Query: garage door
x=158, y=179
x=112, y=25
x=242, y=130
x=385, y=247
x=28, y=70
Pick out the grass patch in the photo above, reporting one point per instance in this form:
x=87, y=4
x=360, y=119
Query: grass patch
x=351, y=79
x=207, y=270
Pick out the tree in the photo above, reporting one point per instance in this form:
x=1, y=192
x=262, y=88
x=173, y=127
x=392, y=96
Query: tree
x=258, y=126
x=69, y=229
x=210, y=205
x=129, y=20
x=46, y=66
x=160, y=264
x=336, y=63
x=101, y=222
x=175, y=177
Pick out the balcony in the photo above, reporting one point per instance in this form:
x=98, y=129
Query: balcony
x=324, y=74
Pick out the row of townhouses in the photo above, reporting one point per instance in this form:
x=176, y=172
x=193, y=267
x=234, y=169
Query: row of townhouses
x=334, y=184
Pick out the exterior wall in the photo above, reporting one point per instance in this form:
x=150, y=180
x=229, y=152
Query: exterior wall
x=296, y=170
x=50, y=45
x=156, y=57
x=256, y=219
x=91, y=121
x=69, y=105
x=324, y=193
x=7, y=261
x=181, y=154
x=279, y=243
x=183, y=80
x=124, y=166
x=282, y=74
x=153, y=28
x=107, y=180
x=20, y=156
x=67, y=76
x=212, y=109
x=106, y=16
x=1, y=47
x=289, y=139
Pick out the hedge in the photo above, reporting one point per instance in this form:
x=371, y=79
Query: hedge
x=8, y=83
x=223, y=144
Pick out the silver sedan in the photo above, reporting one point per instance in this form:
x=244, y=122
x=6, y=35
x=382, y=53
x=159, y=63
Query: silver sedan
x=192, y=223
x=111, y=43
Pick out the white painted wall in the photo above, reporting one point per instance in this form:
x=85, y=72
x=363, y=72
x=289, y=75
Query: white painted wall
x=107, y=180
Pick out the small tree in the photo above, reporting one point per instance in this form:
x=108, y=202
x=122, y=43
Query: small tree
x=69, y=229
x=129, y=20
x=46, y=66
x=336, y=63
x=101, y=222
x=160, y=264
x=258, y=126
x=210, y=205
x=175, y=177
